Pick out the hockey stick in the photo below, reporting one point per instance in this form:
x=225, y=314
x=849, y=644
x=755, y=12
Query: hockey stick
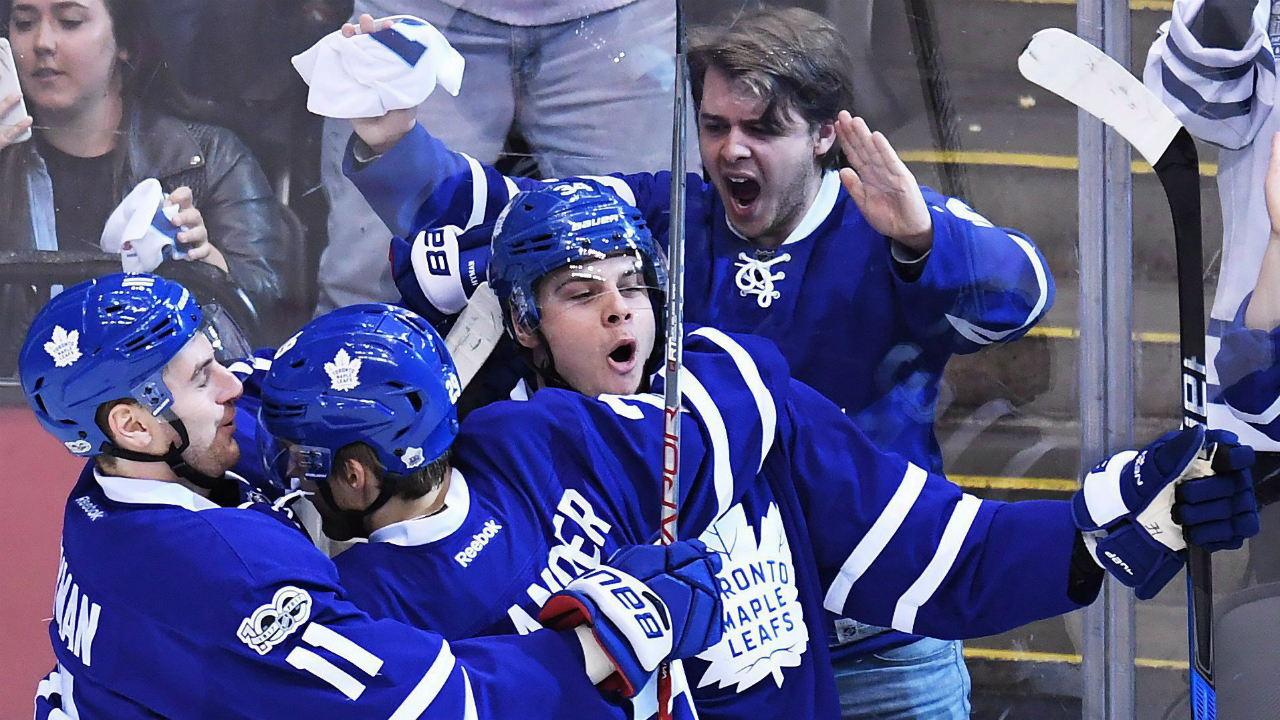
x=1080, y=73
x=675, y=329
x=476, y=333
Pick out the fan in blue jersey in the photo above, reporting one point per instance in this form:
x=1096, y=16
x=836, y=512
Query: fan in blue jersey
x=181, y=592
x=805, y=513
x=868, y=291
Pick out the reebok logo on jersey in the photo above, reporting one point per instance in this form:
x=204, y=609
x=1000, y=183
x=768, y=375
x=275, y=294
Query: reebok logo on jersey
x=270, y=624
x=478, y=542
x=1119, y=563
x=92, y=511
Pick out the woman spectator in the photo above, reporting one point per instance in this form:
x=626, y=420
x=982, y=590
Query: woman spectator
x=107, y=114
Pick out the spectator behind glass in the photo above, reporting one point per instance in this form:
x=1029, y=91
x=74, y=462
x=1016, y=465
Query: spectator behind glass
x=108, y=114
x=587, y=84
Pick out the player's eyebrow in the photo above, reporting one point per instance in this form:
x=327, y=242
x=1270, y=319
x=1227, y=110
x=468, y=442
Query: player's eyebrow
x=202, y=367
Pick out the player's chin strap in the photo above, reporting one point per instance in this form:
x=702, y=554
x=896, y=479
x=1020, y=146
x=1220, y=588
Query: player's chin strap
x=173, y=458
x=355, y=518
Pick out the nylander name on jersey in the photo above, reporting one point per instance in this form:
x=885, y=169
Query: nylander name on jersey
x=807, y=514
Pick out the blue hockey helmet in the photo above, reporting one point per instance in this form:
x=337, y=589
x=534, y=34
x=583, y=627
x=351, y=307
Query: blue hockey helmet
x=109, y=339
x=561, y=223
x=375, y=374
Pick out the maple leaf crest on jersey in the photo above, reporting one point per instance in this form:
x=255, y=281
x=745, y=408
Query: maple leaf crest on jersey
x=764, y=628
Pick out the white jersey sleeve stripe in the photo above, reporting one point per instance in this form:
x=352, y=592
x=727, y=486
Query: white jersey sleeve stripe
x=304, y=659
x=618, y=185
x=479, y=192
x=1102, y=496
x=751, y=375
x=512, y=188
x=722, y=471
x=428, y=687
x=904, y=615
x=1266, y=417
x=874, y=542
x=469, y=711
x=983, y=336
x=324, y=637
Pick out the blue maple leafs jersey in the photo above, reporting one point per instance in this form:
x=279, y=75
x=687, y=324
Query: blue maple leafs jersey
x=1225, y=97
x=168, y=605
x=832, y=297
x=806, y=513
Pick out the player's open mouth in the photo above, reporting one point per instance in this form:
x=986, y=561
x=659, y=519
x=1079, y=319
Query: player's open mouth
x=744, y=192
x=623, y=355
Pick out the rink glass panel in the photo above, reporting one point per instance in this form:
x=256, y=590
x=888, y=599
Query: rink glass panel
x=940, y=79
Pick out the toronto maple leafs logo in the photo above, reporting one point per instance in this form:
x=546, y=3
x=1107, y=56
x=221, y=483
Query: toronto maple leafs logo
x=344, y=373
x=764, y=628
x=64, y=347
x=412, y=457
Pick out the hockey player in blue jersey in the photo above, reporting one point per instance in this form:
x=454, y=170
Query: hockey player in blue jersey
x=868, y=291
x=808, y=515
x=182, y=592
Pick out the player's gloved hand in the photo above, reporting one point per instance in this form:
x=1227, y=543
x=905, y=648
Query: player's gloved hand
x=438, y=272
x=647, y=605
x=1127, y=505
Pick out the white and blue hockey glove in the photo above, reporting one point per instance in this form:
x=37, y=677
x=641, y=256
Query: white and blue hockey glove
x=647, y=605
x=1138, y=509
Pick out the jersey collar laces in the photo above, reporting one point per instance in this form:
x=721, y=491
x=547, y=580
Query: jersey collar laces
x=756, y=277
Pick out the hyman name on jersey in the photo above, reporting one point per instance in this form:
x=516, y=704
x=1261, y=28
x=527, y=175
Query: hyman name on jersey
x=75, y=615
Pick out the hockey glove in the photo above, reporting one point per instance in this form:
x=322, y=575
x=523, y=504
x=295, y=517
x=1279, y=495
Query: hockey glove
x=1132, y=498
x=438, y=271
x=669, y=609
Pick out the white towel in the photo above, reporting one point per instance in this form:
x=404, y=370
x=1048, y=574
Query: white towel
x=369, y=75
x=141, y=228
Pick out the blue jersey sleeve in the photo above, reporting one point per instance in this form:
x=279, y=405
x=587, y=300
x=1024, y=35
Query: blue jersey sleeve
x=1222, y=95
x=1248, y=365
x=421, y=184
x=903, y=548
x=981, y=284
x=257, y=626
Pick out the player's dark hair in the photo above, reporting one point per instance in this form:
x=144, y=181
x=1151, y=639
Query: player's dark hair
x=410, y=487
x=791, y=58
x=106, y=464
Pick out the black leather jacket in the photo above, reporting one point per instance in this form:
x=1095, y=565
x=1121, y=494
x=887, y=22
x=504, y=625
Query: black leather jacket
x=242, y=215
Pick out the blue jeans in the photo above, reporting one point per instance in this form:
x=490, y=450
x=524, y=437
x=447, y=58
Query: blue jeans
x=926, y=680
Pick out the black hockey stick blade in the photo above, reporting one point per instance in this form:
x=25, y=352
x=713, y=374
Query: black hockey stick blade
x=1071, y=68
